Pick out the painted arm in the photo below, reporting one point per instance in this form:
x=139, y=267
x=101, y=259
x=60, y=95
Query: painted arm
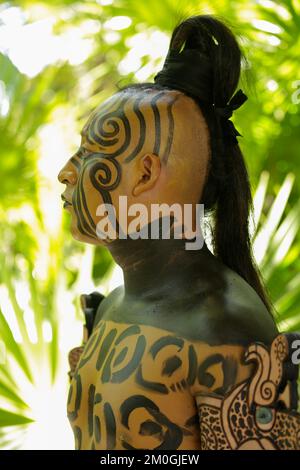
x=259, y=413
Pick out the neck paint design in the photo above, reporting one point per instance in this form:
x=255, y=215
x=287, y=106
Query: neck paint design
x=111, y=131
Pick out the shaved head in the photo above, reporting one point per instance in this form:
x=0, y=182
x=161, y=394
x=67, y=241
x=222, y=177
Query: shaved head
x=167, y=123
x=150, y=145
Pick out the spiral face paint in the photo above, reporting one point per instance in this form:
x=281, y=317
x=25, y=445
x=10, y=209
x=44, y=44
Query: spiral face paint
x=122, y=128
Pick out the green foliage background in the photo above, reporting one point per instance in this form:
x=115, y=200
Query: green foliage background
x=43, y=270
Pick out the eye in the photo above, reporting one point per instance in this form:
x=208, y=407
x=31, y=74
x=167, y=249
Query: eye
x=82, y=152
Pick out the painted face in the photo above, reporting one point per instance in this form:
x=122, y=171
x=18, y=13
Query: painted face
x=124, y=127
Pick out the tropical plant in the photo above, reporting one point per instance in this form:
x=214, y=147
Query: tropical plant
x=43, y=271
x=276, y=224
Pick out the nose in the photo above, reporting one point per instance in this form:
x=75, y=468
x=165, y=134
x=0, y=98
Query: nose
x=68, y=174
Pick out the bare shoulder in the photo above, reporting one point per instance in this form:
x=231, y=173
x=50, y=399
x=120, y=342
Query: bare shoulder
x=231, y=319
x=235, y=314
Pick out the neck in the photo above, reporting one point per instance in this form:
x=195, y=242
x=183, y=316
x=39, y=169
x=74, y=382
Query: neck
x=156, y=268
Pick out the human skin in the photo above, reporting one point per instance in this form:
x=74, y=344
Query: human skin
x=180, y=324
x=135, y=145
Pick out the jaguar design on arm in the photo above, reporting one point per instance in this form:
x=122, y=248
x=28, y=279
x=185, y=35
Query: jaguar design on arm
x=259, y=413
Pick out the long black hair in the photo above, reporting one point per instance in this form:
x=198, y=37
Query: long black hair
x=227, y=194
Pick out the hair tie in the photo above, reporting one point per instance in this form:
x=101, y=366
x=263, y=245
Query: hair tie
x=225, y=113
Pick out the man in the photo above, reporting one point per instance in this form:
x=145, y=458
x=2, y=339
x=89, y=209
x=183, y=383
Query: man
x=179, y=327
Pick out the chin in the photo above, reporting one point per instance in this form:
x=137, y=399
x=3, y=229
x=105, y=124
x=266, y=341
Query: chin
x=80, y=237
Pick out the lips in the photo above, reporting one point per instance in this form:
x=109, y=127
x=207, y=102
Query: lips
x=66, y=202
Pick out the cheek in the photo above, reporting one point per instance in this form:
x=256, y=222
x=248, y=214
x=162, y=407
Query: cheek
x=87, y=195
x=100, y=182
x=91, y=197
x=104, y=175
x=85, y=201
x=104, y=181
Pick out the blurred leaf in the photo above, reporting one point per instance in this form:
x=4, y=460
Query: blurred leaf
x=51, y=268
x=11, y=419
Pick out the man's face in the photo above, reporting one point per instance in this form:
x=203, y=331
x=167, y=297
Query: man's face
x=148, y=145
x=122, y=129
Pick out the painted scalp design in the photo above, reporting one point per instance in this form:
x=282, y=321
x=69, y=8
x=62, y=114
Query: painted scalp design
x=111, y=131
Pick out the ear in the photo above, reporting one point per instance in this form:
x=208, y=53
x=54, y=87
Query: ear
x=149, y=167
